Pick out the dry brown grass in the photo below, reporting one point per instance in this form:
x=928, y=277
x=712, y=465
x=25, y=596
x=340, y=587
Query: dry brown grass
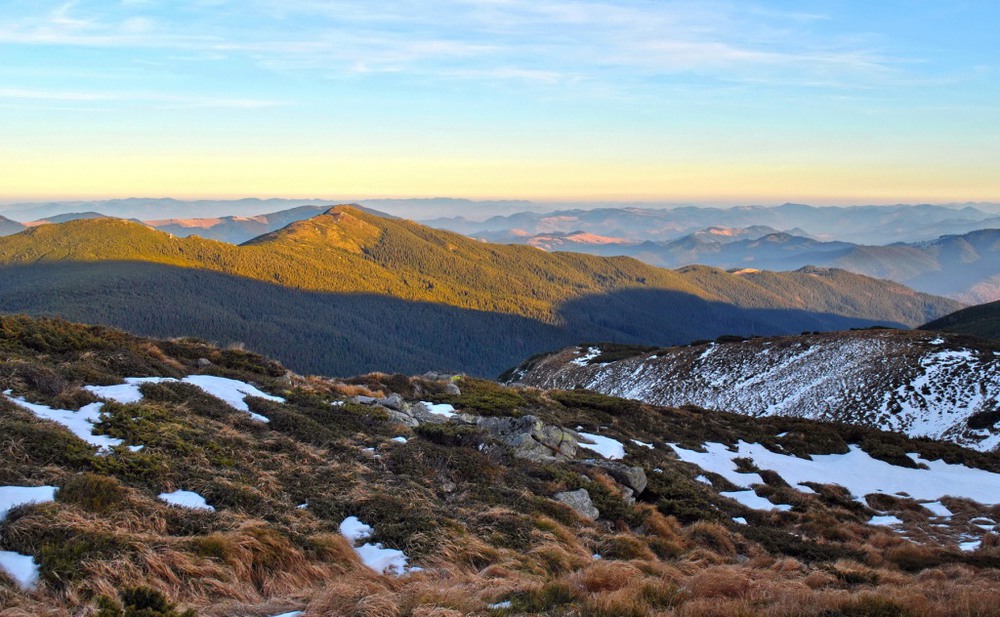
x=486, y=538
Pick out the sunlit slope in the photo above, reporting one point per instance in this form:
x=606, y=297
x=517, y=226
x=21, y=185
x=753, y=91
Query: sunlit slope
x=348, y=251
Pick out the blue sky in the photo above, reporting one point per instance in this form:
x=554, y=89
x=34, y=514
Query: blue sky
x=732, y=102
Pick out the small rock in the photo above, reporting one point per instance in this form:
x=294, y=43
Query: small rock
x=204, y=362
x=393, y=401
x=402, y=418
x=452, y=388
x=580, y=501
x=628, y=496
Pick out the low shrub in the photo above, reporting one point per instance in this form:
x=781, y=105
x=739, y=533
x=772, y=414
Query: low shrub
x=624, y=547
x=610, y=406
x=544, y=599
x=140, y=602
x=871, y=606
x=94, y=493
x=486, y=398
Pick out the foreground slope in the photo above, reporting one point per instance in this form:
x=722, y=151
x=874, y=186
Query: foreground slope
x=214, y=480
x=431, y=299
x=982, y=320
x=919, y=383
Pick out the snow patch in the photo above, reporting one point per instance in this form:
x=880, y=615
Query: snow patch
x=14, y=496
x=642, y=443
x=937, y=508
x=972, y=545
x=751, y=500
x=584, y=360
x=885, y=521
x=440, y=409
x=605, y=446
x=80, y=423
x=740, y=520
x=375, y=556
x=231, y=391
x=21, y=568
x=186, y=499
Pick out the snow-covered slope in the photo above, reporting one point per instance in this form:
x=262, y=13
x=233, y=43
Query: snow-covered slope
x=919, y=383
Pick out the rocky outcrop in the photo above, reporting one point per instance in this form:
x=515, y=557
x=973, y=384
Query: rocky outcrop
x=580, y=501
x=408, y=414
x=529, y=437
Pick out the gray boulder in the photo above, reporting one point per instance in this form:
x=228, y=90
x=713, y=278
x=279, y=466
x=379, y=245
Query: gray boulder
x=580, y=501
x=632, y=477
x=530, y=438
x=423, y=415
x=403, y=418
x=393, y=401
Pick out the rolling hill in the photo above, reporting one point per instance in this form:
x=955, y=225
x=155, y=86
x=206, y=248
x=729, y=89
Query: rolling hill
x=345, y=258
x=170, y=478
x=982, y=320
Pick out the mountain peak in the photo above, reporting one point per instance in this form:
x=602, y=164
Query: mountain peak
x=344, y=226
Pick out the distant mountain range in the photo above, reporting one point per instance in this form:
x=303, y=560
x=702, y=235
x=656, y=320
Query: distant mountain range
x=857, y=224
x=965, y=267
x=922, y=384
x=402, y=296
x=505, y=220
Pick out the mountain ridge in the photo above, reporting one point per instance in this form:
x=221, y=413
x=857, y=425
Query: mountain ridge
x=333, y=261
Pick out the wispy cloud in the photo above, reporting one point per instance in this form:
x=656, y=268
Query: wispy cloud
x=538, y=40
x=159, y=100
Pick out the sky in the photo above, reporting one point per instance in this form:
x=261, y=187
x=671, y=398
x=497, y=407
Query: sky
x=704, y=102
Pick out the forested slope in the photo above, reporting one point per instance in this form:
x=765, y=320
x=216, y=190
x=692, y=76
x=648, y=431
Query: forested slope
x=401, y=296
